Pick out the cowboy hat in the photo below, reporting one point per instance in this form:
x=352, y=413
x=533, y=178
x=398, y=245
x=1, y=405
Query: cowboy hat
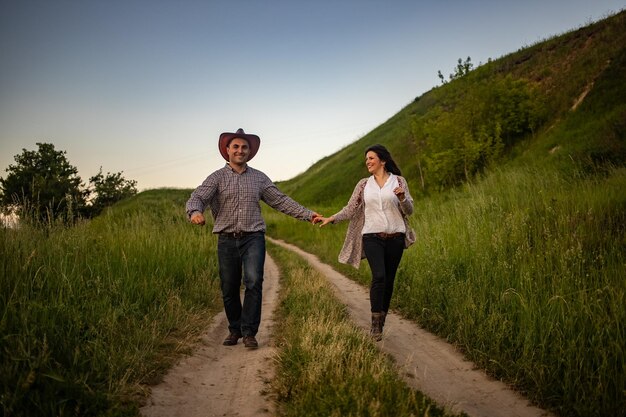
x=253, y=140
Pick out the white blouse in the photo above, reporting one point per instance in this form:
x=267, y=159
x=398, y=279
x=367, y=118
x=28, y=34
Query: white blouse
x=382, y=207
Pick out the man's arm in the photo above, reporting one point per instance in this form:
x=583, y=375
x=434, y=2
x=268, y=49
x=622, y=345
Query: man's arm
x=200, y=199
x=285, y=204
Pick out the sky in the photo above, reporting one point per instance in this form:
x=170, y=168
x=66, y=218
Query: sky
x=146, y=87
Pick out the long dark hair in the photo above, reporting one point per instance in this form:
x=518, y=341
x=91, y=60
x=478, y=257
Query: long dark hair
x=385, y=156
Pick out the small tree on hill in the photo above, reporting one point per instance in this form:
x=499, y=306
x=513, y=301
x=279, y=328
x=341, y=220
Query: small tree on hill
x=43, y=185
x=110, y=189
x=462, y=68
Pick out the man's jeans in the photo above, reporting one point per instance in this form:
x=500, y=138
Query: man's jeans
x=236, y=256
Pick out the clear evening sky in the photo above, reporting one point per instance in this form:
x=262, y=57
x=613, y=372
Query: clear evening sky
x=146, y=87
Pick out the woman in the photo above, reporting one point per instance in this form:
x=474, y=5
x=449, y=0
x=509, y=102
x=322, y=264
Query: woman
x=378, y=228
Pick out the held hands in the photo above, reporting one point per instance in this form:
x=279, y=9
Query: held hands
x=197, y=218
x=318, y=218
x=325, y=220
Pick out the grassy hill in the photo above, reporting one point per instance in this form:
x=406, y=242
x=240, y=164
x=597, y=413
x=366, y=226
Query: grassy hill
x=518, y=172
x=558, y=103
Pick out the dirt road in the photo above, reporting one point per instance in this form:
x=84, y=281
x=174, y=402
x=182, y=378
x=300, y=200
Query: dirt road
x=222, y=380
x=230, y=380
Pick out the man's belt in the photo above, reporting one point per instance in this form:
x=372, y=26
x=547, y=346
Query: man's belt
x=237, y=235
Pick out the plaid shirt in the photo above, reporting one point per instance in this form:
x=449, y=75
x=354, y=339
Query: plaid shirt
x=234, y=200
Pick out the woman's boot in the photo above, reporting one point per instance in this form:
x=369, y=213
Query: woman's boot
x=377, y=326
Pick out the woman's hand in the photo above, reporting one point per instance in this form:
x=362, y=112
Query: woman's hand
x=399, y=192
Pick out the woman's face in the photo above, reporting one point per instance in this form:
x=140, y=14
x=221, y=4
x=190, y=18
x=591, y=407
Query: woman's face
x=373, y=163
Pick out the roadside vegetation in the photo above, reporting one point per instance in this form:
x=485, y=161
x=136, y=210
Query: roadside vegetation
x=326, y=366
x=524, y=271
x=518, y=170
x=90, y=312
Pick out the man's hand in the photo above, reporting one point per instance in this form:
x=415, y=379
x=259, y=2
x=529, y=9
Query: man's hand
x=197, y=218
x=316, y=218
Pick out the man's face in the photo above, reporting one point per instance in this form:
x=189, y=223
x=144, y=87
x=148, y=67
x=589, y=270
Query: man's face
x=238, y=151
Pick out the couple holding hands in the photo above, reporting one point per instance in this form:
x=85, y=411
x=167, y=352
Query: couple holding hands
x=378, y=229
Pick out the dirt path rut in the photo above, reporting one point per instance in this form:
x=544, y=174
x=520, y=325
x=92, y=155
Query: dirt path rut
x=222, y=380
x=427, y=362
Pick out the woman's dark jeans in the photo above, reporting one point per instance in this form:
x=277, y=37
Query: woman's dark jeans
x=383, y=256
x=239, y=257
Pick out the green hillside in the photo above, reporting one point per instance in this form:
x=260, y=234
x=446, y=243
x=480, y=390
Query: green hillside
x=520, y=108
x=519, y=178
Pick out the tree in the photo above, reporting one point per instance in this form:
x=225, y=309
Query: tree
x=109, y=189
x=462, y=68
x=43, y=185
x=467, y=133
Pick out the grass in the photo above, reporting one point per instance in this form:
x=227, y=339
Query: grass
x=523, y=270
x=91, y=312
x=523, y=267
x=326, y=366
x=525, y=273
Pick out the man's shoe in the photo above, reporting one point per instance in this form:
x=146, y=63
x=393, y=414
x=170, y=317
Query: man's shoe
x=250, y=342
x=232, y=339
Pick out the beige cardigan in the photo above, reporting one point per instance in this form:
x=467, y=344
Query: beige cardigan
x=352, y=250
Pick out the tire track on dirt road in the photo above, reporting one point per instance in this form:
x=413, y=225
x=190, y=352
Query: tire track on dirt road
x=428, y=363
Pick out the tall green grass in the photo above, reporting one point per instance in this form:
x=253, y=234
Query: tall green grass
x=89, y=313
x=325, y=365
x=524, y=271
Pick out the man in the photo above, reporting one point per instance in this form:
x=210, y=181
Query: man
x=233, y=193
